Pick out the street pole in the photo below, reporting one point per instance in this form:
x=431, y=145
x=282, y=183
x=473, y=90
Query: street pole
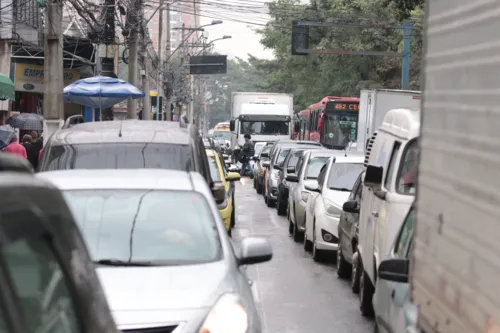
x=53, y=105
x=146, y=104
x=168, y=99
x=160, y=56
x=133, y=17
x=405, y=70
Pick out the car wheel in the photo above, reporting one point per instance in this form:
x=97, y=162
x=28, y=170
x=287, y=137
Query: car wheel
x=366, y=291
x=270, y=202
x=297, y=234
x=255, y=183
x=317, y=255
x=290, y=227
x=343, y=267
x=233, y=214
x=280, y=206
x=259, y=187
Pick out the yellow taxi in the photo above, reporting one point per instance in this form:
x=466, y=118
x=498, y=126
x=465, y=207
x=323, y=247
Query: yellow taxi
x=218, y=171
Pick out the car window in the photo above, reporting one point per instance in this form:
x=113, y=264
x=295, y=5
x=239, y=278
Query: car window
x=392, y=165
x=322, y=174
x=343, y=176
x=294, y=158
x=404, y=238
x=407, y=175
x=157, y=227
x=282, y=155
x=119, y=156
x=266, y=149
x=300, y=163
x=214, y=168
x=40, y=284
x=314, y=167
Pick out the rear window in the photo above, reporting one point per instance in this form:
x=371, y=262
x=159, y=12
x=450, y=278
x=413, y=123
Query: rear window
x=119, y=156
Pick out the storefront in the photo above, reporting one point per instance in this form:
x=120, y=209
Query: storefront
x=29, y=84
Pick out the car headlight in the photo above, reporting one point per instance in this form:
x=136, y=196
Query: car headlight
x=305, y=196
x=227, y=316
x=223, y=204
x=332, y=209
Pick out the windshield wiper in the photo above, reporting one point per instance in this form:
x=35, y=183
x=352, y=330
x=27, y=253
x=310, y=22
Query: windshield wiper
x=123, y=263
x=343, y=189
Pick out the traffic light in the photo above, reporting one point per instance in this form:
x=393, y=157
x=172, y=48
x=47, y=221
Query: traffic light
x=300, y=39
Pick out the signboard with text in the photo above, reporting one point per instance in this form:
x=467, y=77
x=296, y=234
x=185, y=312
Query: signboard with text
x=29, y=78
x=343, y=106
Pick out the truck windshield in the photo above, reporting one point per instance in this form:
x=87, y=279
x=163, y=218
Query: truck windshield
x=265, y=127
x=339, y=128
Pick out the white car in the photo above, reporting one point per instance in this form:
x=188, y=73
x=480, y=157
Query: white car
x=161, y=250
x=329, y=192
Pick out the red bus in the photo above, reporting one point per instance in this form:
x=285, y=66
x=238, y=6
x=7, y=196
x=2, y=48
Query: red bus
x=333, y=121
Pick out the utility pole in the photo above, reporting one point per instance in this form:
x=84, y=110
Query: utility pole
x=146, y=104
x=53, y=105
x=133, y=20
x=168, y=95
x=160, y=56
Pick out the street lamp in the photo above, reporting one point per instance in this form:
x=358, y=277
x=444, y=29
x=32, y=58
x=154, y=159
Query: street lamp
x=200, y=28
x=209, y=44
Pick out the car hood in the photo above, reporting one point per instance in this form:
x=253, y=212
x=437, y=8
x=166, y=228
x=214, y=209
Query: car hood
x=337, y=197
x=144, y=296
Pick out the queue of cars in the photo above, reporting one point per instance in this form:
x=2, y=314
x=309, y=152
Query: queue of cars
x=147, y=209
x=355, y=209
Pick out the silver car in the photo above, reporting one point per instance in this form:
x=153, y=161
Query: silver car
x=162, y=253
x=307, y=168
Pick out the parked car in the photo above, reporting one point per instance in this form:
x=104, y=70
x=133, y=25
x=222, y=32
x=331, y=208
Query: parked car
x=129, y=144
x=279, y=152
x=227, y=208
x=308, y=168
x=162, y=251
x=260, y=168
x=285, y=168
x=394, y=311
x=330, y=191
x=48, y=282
x=348, y=235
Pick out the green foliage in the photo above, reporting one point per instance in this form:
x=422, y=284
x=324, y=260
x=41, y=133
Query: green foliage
x=310, y=78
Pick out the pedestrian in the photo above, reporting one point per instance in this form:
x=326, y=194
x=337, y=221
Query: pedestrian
x=247, y=153
x=32, y=150
x=36, y=140
x=16, y=148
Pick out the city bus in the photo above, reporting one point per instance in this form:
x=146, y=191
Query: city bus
x=333, y=121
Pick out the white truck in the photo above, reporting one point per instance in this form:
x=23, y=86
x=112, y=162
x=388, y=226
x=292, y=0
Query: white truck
x=455, y=263
x=265, y=116
x=375, y=103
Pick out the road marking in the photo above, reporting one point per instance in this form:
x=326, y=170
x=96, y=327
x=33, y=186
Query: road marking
x=255, y=292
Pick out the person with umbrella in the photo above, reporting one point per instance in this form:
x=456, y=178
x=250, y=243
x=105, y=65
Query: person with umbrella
x=16, y=148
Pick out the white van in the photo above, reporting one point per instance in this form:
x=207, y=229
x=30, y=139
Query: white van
x=388, y=193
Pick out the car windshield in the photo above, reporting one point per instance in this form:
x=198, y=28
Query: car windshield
x=344, y=175
x=145, y=226
x=222, y=135
x=119, y=156
x=314, y=166
x=214, y=168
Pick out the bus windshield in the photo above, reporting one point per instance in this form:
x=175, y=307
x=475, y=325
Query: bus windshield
x=339, y=129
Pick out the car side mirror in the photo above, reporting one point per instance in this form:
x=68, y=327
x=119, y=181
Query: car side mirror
x=264, y=155
x=290, y=169
x=231, y=125
x=395, y=270
x=351, y=206
x=373, y=176
x=254, y=250
x=233, y=176
x=278, y=167
x=292, y=178
x=311, y=185
x=219, y=192
x=266, y=164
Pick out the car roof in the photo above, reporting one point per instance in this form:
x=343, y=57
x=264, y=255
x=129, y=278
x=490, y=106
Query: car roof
x=137, y=179
x=121, y=131
x=298, y=142
x=350, y=158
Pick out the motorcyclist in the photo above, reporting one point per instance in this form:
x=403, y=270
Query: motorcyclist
x=247, y=154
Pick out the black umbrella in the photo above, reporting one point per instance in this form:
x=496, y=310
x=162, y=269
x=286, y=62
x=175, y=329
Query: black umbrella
x=27, y=122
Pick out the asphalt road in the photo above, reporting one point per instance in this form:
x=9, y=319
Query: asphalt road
x=293, y=293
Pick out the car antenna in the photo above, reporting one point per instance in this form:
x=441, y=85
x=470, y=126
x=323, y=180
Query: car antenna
x=120, y=131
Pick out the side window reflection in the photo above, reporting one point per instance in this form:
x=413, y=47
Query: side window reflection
x=40, y=286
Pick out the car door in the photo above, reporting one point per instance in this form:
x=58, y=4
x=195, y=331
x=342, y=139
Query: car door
x=348, y=221
x=391, y=296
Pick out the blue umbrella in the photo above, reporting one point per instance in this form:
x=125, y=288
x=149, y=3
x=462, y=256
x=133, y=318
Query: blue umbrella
x=100, y=92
